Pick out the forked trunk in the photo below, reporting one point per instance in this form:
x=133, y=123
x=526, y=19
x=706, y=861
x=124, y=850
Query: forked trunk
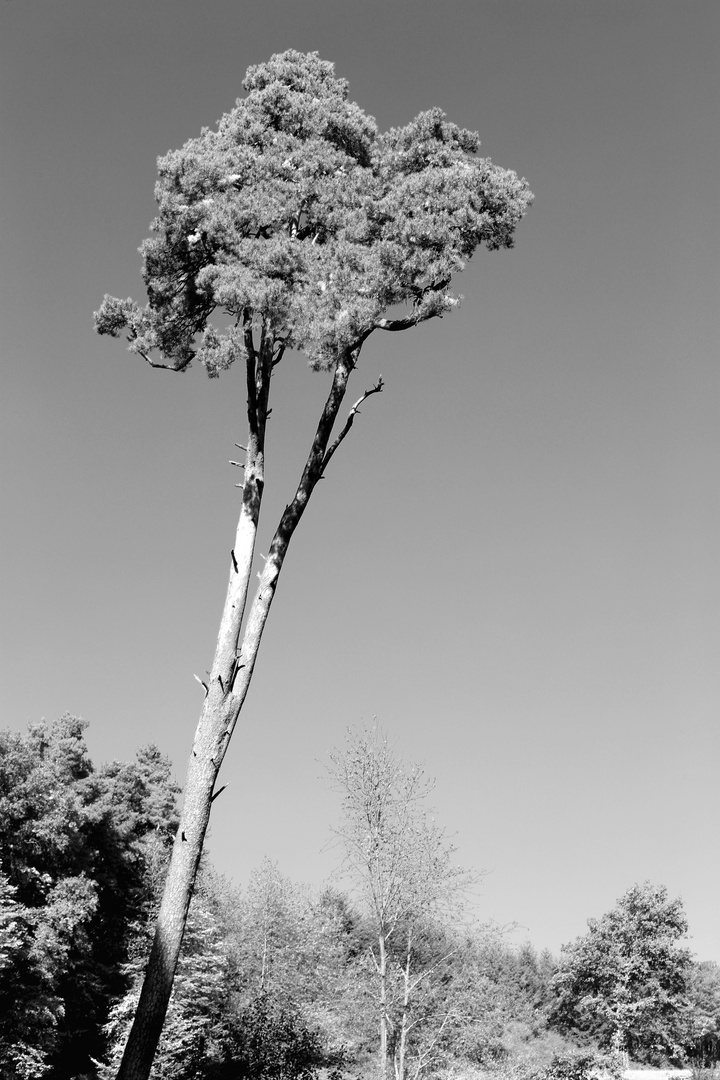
x=226, y=690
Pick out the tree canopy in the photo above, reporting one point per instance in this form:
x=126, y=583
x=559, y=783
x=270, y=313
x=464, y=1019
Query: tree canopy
x=76, y=848
x=296, y=211
x=624, y=982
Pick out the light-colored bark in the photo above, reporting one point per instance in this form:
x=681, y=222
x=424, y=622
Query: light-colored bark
x=401, y=1051
x=401, y=862
x=383, y=994
x=227, y=687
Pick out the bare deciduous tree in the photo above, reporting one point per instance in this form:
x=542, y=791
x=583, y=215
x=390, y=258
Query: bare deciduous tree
x=400, y=861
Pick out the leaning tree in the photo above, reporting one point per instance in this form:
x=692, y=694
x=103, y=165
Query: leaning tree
x=295, y=226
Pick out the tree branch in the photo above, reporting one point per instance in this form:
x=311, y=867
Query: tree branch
x=165, y=367
x=418, y=315
x=398, y=324
x=203, y=684
x=432, y=968
x=376, y=389
x=424, y=1056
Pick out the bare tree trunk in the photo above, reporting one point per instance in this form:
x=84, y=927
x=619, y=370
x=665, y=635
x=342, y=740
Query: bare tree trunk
x=227, y=685
x=382, y=977
x=400, y=1057
x=263, y=970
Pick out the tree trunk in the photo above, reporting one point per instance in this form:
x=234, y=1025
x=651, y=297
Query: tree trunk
x=400, y=1057
x=226, y=689
x=382, y=977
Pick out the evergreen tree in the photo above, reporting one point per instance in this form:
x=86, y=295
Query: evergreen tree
x=76, y=847
x=242, y=997
x=703, y=1031
x=302, y=226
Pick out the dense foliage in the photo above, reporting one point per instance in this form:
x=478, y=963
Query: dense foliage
x=280, y=981
x=702, y=1038
x=626, y=981
x=77, y=850
x=298, y=211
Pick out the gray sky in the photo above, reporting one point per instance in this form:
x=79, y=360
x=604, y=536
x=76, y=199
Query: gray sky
x=513, y=562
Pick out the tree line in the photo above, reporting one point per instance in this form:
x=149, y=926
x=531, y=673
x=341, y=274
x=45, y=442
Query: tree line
x=383, y=972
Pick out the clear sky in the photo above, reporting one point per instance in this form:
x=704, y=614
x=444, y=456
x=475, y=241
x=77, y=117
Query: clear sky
x=513, y=562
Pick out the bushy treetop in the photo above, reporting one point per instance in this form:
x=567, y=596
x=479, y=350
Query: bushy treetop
x=625, y=980
x=78, y=845
x=296, y=214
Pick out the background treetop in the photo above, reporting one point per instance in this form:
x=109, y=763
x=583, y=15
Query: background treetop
x=298, y=216
x=625, y=981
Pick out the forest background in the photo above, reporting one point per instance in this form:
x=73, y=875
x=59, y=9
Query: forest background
x=385, y=975
x=578, y=388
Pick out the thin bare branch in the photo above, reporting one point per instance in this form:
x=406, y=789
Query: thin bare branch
x=203, y=684
x=376, y=389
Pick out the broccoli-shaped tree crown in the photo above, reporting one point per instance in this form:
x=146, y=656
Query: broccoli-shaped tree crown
x=296, y=214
